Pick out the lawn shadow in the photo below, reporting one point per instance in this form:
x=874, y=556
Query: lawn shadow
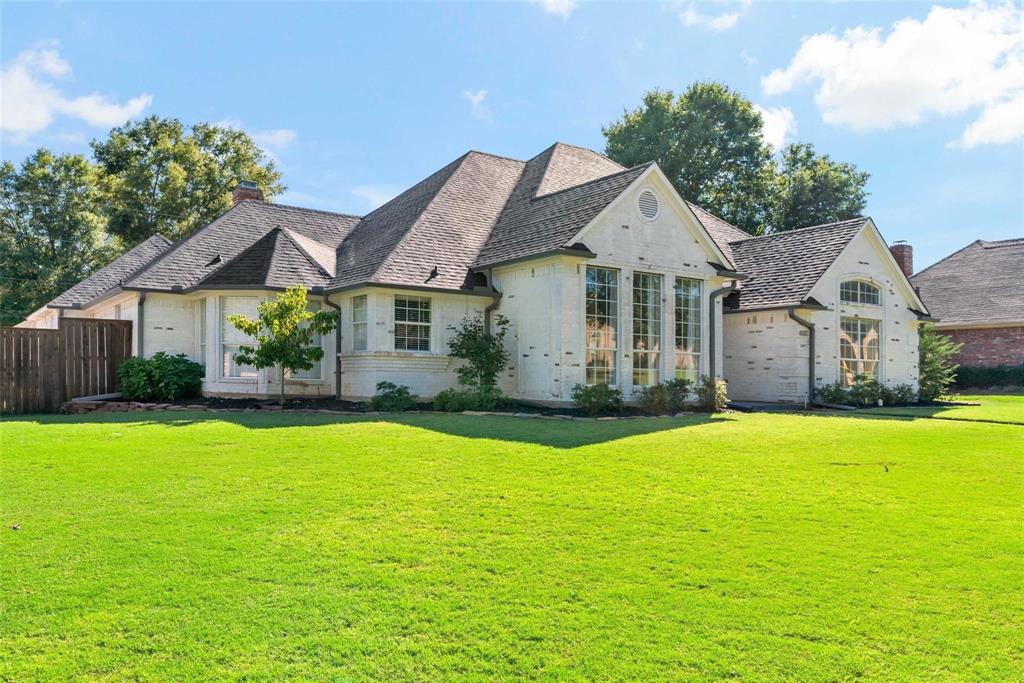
x=556, y=433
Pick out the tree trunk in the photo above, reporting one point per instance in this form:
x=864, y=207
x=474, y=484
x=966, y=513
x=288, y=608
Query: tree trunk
x=282, y=386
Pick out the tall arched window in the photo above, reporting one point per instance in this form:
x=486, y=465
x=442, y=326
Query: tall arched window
x=859, y=292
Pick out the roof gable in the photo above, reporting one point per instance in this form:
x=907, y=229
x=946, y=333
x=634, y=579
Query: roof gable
x=275, y=260
x=112, y=275
x=982, y=283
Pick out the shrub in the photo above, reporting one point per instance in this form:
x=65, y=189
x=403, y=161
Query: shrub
x=457, y=400
x=834, y=393
x=162, y=377
x=597, y=399
x=484, y=352
x=935, y=361
x=903, y=394
x=711, y=394
x=999, y=376
x=668, y=397
x=392, y=398
x=866, y=391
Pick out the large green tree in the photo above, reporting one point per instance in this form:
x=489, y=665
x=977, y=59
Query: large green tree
x=811, y=188
x=52, y=232
x=163, y=177
x=709, y=141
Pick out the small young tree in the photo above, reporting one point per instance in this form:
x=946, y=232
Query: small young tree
x=936, y=367
x=484, y=353
x=284, y=331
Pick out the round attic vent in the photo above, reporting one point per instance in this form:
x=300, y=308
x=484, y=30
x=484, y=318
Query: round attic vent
x=648, y=204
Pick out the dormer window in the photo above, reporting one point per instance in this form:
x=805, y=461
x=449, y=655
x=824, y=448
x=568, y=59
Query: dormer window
x=859, y=292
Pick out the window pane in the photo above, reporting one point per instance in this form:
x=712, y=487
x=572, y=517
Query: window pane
x=601, y=325
x=412, y=323
x=232, y=337
x=858, y=349
x=646, y=328
x=687, y=328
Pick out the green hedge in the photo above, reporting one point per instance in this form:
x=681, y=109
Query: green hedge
x=999, y=376
x=161, y=378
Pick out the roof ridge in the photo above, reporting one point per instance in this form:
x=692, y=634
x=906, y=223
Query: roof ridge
x=224, y=266
x=291, y=235
x=587, y=149
x=120, y=282
x=803, y=229
x=589, y=182
x=496, y=156
x=946, y=258
x=300, y=208
x=995, y=244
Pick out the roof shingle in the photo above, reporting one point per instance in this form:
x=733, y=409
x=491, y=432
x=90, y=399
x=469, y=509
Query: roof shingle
x=114, y=273
x=981, y=283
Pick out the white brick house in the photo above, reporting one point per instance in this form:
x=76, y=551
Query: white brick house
x=605, y=274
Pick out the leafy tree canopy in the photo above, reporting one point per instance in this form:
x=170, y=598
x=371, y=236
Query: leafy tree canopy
x=284, y=331
x=709, y=142
x=161, y=177
x=52, y=232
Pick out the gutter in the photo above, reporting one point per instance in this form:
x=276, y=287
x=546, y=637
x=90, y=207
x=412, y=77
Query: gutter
x=810, y=351
x=711, y=319
x=337, y=348
x=560, y=251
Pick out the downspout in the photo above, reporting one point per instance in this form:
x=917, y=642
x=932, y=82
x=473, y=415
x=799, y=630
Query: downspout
x=810, y=351
x=495, y=300
x=139, y=320
x=711, y=320
x=337, y=348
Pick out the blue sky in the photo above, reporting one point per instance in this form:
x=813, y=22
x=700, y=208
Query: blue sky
x=357, y=101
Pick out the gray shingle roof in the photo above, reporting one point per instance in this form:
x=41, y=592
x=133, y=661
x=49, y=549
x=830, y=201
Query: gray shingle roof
x=275, y=260
x=196, y=257
x=534, y=223
x=784, y=267
x=981, y=283
x=441, y=222
x=111, y=275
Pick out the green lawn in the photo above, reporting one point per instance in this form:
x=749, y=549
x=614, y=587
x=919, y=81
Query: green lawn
x=210, y=546
x=993, y=408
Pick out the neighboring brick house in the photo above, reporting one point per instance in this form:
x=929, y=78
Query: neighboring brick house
x=977, y=294
x=605, y=274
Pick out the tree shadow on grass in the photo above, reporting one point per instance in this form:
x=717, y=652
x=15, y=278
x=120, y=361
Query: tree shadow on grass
x=557, y=433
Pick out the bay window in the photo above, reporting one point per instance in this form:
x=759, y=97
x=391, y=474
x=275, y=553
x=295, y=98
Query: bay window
x=646, y=328
x=412, y=323
x=858, y=349
x=688, y=332
x=315, y=372
x=602, y=327
x=359, y=326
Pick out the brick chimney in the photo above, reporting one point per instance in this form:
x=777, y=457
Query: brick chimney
x=247, y=189
x=904, y=255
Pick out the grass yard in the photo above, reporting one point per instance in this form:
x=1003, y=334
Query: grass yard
x=210, y=546
x=992, y=409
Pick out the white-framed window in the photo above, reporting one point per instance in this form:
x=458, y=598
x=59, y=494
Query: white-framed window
x=859, y=292
x=602, y=328
x=315, y=372
x=688, y=348
x=858, y=349
x=646, y=328
x=117, y=312
x=412, y=323
x=232, y=338
x=201, y=312
x=360, y=329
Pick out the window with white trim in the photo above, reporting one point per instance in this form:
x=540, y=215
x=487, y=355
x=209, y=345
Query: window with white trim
x=231, y=338
x=602, y=328
x=201, y=312
x=359, y=326
x=412, y=323
x=315, y=372
x=859, y=292
x=688, y=298
x=646, y=328
x=858, y=349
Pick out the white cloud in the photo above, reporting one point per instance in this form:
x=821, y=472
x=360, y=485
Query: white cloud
x=719, y=21
x=376, y=195
x=476, y=102
x=953, y=61
x=277, y=138
x=30, y=101
x=561, y=8
x=748, y=59
x=779, y=125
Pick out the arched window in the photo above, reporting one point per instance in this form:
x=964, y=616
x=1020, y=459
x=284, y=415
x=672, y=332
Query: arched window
x=859, y=292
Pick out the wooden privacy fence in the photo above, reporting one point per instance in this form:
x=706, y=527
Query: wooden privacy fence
x=41, y=369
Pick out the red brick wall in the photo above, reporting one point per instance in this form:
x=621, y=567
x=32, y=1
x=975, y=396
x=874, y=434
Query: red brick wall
x=989, y=347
